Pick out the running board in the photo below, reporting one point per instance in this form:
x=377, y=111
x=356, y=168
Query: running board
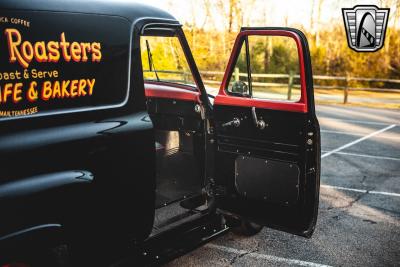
x=169, y=245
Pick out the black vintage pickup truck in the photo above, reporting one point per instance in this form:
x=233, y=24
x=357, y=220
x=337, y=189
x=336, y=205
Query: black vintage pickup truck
x=113, y=152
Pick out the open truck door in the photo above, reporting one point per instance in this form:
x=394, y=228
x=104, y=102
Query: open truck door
x=268, y=137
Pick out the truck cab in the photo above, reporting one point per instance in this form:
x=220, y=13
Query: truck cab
x=112, y=148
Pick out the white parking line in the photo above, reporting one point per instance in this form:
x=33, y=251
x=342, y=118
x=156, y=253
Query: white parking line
x=356, y=134
x=344, y=188
x=384, y=193
x=340, y=132
x=264, y=256
x=364, y=155
x=353, y=121
x=358, y=140
x=361, y=190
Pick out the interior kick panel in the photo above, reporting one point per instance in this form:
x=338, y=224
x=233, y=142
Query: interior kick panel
x=172, y=114
x=174, y=107
x=267, y=180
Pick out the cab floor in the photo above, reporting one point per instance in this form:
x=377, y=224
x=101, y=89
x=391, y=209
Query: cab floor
x=178, y=177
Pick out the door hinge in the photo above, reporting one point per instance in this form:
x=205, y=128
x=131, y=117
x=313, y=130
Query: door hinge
x=213, y=190
x=311, y=170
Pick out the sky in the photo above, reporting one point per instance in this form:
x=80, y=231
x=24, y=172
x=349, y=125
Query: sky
x=268, y=12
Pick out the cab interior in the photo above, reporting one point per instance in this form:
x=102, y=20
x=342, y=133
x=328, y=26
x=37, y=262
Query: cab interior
x=175, y=109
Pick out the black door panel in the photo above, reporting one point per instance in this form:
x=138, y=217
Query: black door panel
x=282, y=143
x=278, y=140
x=283, y=196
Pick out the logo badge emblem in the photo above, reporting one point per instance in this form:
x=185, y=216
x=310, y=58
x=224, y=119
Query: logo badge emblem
x=365, y=27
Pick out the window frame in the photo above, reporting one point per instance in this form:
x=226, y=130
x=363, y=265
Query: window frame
x=243, y=37
x=178, y=33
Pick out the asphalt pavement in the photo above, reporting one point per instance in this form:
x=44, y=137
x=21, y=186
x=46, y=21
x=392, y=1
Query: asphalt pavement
x=359, y=213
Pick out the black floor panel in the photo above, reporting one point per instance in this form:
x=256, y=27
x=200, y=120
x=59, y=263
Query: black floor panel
x=178, y=176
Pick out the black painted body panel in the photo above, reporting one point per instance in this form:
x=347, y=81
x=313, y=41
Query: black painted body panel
x=130, y=10
x=105, y=214
x=118, y=151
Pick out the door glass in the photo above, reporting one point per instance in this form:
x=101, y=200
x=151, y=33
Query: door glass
x=274, y=65
x=163, y=60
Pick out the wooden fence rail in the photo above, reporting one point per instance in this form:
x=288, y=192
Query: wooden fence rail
x=210, y=77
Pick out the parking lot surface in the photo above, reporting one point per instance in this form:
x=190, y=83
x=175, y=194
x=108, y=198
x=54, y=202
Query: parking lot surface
x=359, y=213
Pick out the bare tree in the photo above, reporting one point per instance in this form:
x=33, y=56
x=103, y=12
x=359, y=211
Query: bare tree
x=312, y=16
x=235, y=14
x=318, y=24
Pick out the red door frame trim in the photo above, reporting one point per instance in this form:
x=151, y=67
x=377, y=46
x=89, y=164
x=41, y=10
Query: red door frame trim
x=169, y=91
x=223, y=98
